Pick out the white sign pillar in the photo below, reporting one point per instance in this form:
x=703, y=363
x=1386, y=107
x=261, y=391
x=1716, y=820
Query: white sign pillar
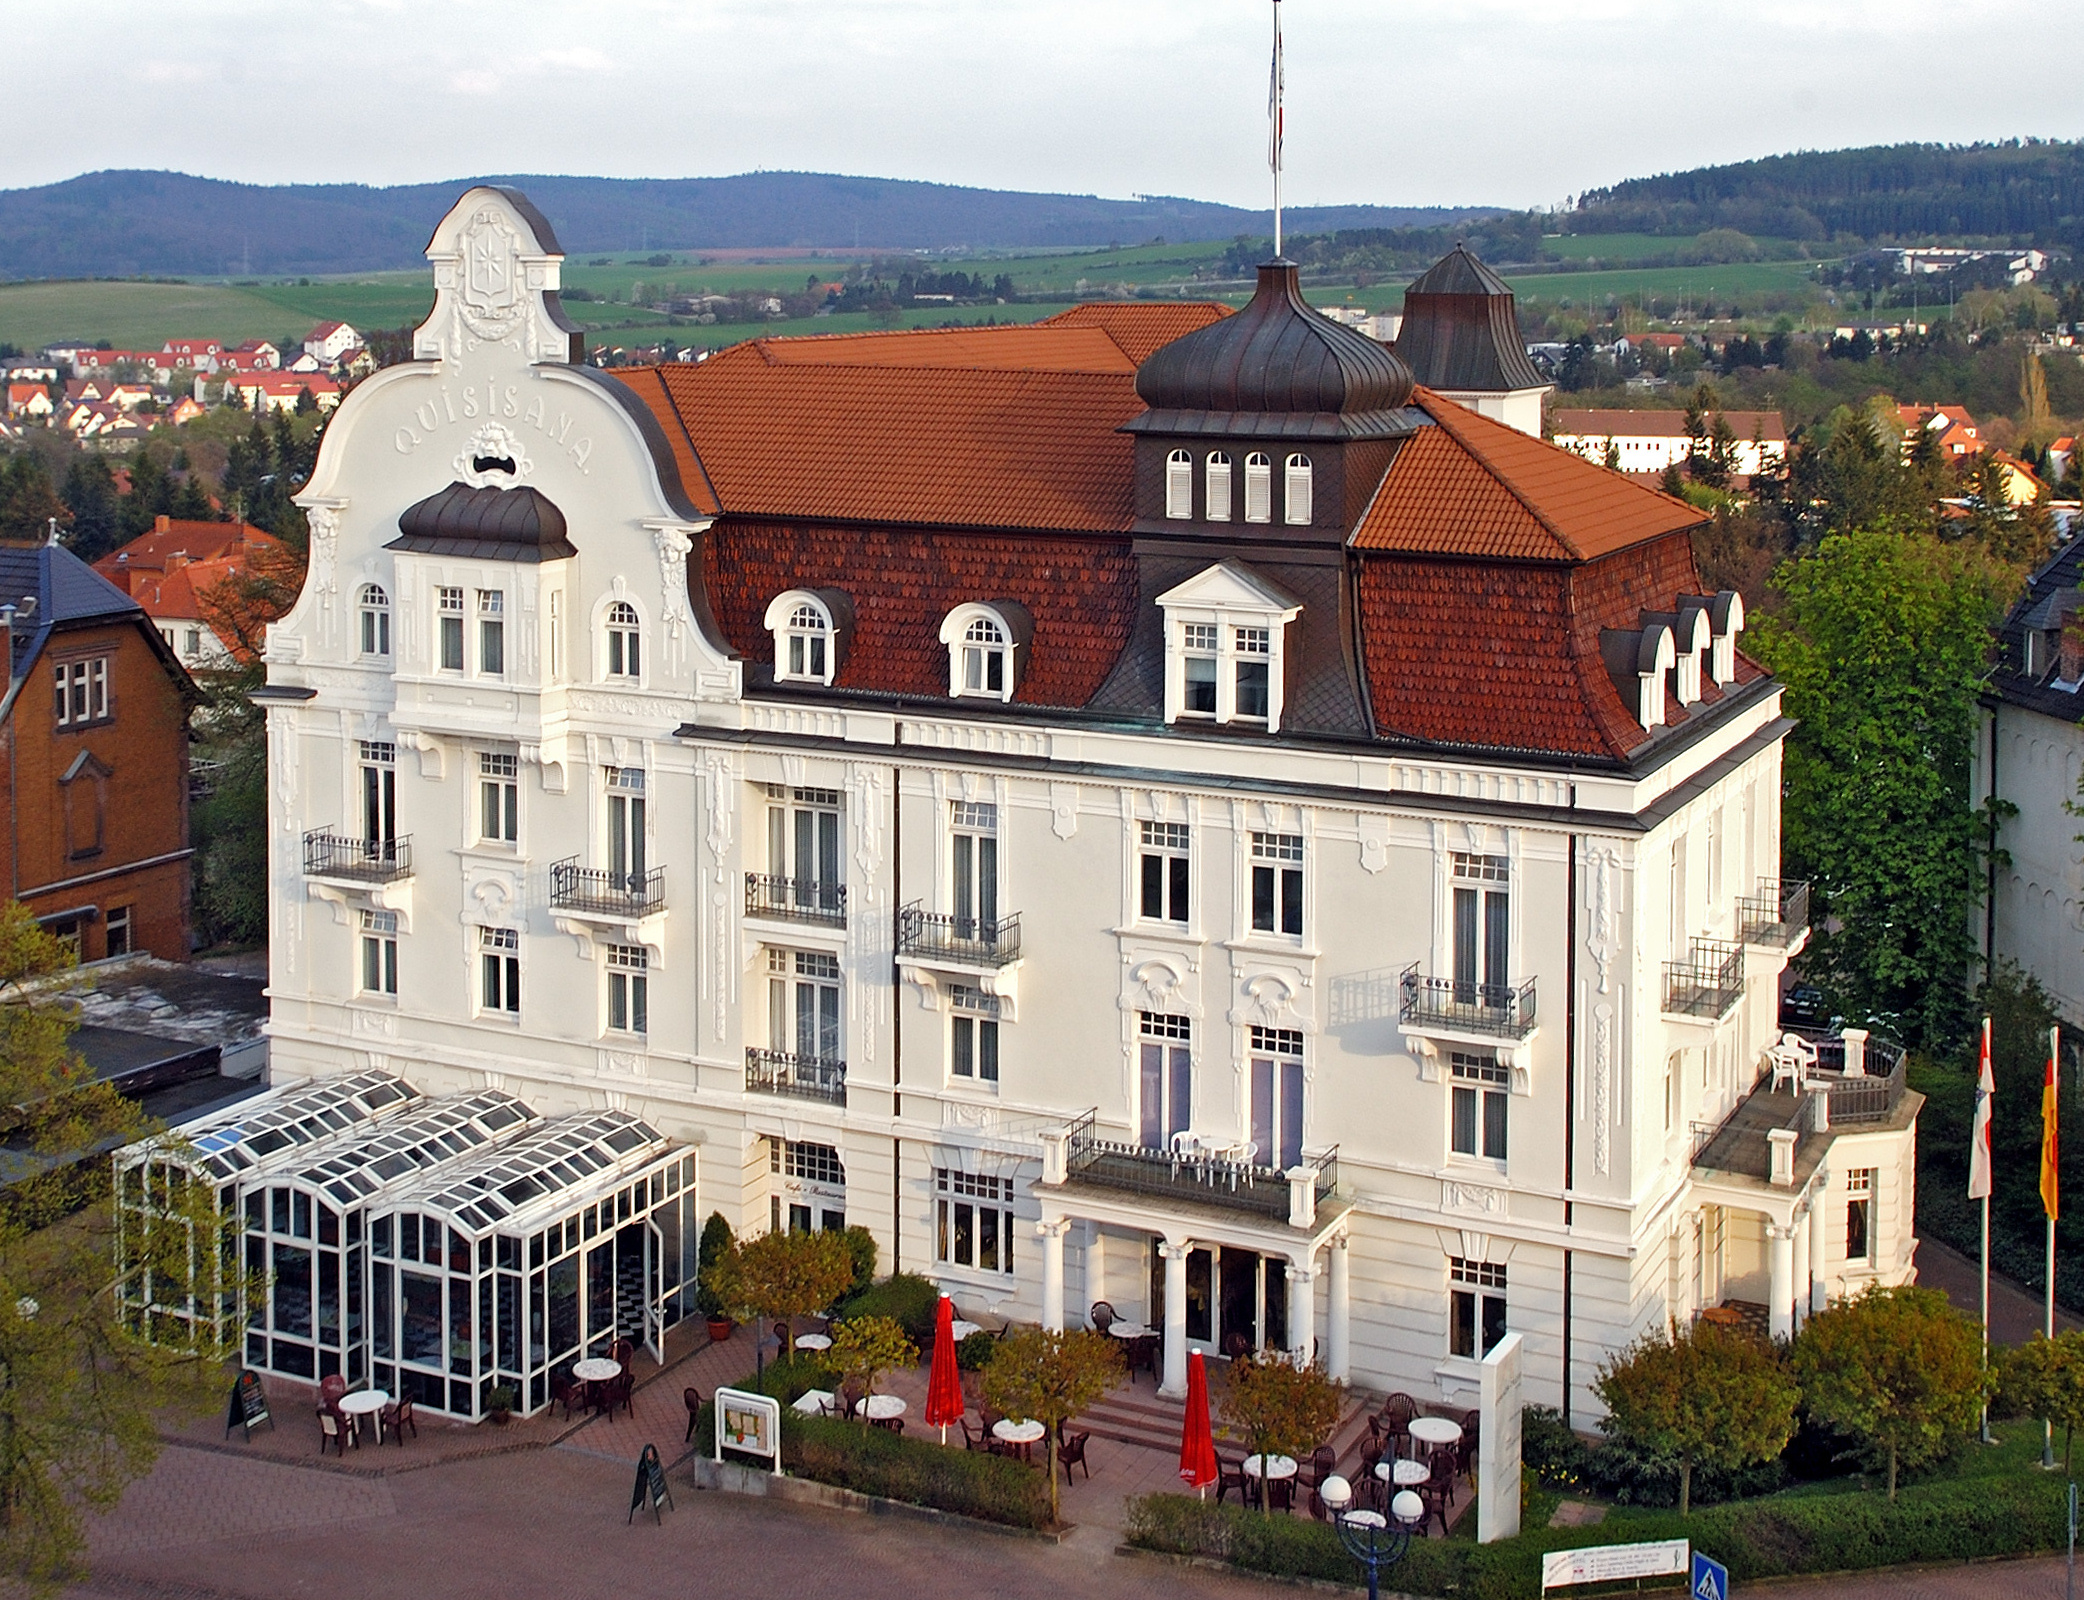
x=1498, y=1453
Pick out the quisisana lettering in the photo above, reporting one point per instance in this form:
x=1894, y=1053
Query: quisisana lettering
x=492, y=398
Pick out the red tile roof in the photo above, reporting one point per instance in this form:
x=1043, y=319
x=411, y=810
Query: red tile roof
x=1474, y=487
x=174, y=543
x=1139, y=329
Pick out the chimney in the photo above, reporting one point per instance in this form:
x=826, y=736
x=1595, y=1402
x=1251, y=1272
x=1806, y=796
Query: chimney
x=161, y=523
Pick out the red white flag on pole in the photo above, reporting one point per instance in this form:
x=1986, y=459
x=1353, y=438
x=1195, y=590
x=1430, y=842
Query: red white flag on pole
x=1979, y=1129
x=1273, y=99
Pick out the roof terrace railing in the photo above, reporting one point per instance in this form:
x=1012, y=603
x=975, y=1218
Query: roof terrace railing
x=335, y=855
x=1202, y=1178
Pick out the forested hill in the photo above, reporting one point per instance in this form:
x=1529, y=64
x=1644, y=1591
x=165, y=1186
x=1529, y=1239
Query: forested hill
x=2027, y=191
x=123, y=224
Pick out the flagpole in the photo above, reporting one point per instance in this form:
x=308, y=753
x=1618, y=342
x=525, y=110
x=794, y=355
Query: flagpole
x=1274, y=141
x=1979, y=1176
x=2049, y=1175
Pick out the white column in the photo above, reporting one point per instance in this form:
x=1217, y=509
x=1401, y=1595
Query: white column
x=1052, y=1274
x=1338, y=1358
x=1175, y=1254
x=1780, y=1303
x=1095, y=1265
x=1819, y=1224
x=1302, y=1311
x=1798, y=1283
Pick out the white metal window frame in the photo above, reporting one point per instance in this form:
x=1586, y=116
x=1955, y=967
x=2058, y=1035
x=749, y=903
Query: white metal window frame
x=806, y=642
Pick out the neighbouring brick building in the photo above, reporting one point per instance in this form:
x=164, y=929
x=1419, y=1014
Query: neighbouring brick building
x=94, y=756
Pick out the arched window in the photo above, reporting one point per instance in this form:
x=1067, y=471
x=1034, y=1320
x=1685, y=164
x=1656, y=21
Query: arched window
x=1217, y=490
x=376, y=621
x=1179, y=484
x=985, y=643
x=983, y=658
x=1259, y=488
x=625, y=641
x=806, y=639
x=1296, y=498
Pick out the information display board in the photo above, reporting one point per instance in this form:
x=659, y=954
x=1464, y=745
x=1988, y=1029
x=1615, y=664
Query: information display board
x=1608, y=1563
x=749, y=1424
x=650, y=1488
x=248, y=1406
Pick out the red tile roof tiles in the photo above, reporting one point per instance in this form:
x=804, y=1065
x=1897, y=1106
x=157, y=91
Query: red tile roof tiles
x=1139, y=329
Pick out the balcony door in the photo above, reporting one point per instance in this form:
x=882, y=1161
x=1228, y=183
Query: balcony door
x=380, y=810
x=803, y=847
x=626, y=826
x=1482, y=933
x=976, y=864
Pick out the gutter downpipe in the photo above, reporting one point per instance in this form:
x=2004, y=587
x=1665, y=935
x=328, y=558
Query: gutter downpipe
x=1569, y=1099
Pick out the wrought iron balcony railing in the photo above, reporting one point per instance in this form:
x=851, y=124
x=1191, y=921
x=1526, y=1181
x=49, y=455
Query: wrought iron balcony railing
x=1774, y=916
x=335, y=855
x=969, y=940
x=605, y=893
x=795, y=899
x=1204, y=1179
x=1708, y=982
x=798, y=1077
x=1492, y=1008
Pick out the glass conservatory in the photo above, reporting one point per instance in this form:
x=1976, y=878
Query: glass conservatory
x=503, y=1270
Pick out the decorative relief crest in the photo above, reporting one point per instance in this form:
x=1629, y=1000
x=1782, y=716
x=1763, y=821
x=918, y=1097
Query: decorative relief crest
x=1155, y=985
x=1600, y=944
x=505, y=460
x=1063, y=809
x=490, y=299
x=1479, y=1197
x=1602, y=1084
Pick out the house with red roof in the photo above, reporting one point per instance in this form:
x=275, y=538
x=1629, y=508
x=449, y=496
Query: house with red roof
x=1951, y=428
x=271, y=391
x=1159, y=807
x=28, y=400
x=329, y=341
x=170, y=573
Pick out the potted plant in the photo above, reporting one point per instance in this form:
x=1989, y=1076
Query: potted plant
x=709, y=1300
x=500, y=1405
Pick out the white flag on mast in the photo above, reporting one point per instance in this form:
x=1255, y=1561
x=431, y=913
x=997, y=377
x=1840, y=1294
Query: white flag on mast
x=1979, y=1129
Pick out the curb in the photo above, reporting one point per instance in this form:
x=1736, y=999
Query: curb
x=755, y=1483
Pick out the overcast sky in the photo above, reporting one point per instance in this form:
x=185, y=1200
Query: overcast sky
x=1450, y=101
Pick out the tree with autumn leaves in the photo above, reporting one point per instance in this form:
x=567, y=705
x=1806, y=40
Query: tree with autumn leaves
x=1699, y=1396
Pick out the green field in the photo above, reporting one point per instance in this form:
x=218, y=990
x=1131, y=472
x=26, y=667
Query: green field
x=1666, y=283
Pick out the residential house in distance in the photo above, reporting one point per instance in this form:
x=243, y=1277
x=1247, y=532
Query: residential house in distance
x=262, y=356
x=1649, y=441
x=198, y=355
x=1152, y=806
x=94, y=740
x=273, y=391
x=329, y=341
x=170, y=570
x=28, y=400
x=1951, y=427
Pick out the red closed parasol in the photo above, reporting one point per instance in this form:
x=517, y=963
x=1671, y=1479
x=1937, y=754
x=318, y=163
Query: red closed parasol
x=1197, y=1445
x=944, y=1384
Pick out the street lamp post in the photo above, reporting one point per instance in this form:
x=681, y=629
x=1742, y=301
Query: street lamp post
x=1372, y=1539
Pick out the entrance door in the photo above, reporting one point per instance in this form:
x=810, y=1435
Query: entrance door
x=1240, y=1303
x=654, y=1300
x=634, y=1280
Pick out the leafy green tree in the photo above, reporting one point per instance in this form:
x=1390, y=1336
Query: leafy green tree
x=1702, y=1395
x=864, y=1348
x=1050, y=1378
x=1882, y=644
x=1898, y=1368
x=1281, y=1408
x=28, y=502
x=2045, y=1378
x=786, y=1275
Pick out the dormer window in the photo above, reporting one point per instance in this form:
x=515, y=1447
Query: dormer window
x=806, y=637
x=1655, y=656
x=376, y=621
x=1223, y=660
x=1259, y=487
x=1296, y=491
x=1179, y=484
x=985, y=644
x=1216, y=492
x=625, y=641
x=1688, y=645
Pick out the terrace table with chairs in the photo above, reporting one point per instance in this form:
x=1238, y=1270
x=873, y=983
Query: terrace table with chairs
x=363, y=1403
x=1022, y=1434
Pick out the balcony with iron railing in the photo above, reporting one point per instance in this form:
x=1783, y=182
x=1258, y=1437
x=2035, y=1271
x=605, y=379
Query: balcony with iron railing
x=335, y=855
x=1708, y=983
x=597, y=891
x=1232, y=1182
x=1453, y=1006
x=1776, y=916
x=796, y=1077
x=960, y=941
x=780, y=899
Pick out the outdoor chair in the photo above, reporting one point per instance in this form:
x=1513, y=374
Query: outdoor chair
x=331, y=1388
x=693, y=1400
x=618, y=1391
x=894, y=1425
x=1436, y=1494
x=1323, y=1462
x=330, y=1427
x=1103, y=1316
x=1231, y=1475
x=1444, y=1467
x=622, y=1352
x=974, y=1443
x=1071, y=1452
x=1280, y=1494
x=397, y=1416
x=850, y=1397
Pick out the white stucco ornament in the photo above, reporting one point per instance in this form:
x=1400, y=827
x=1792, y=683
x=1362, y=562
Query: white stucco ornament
x=494, y=457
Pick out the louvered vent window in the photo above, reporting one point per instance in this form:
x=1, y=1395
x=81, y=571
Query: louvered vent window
x=1297, y=498
x=1259, y=488
x=1179, y=484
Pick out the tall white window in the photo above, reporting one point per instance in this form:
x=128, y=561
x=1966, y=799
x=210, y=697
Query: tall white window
x=625, y=641
x=809, y=642
x=499, y=971
x=1165, y=1078
x=1296, y=490
x=1179, y=484
x=379, y=797
x=380, y=953
x=1254, y=663
x=499, y=797
x=973, y=1221
x=376, y=621
x=449, y=641
x=626, y=825
x=974, y=850
x=492, y=632
x=1859, y=1215
x=1277, y=1096
x=1199, y=645
x=1277, y=883
x=629, y=997
x=1482, y=928
x=803, y=1003
x=973, y=1035
x=1476, y=1306
x=984, y=652
x=1481, y=1093
x=1216, y=487
x=1165, y=870
x=803, y=836
x=1259, y=487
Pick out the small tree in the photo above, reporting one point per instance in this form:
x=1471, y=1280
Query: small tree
x=786, y=1275
x=1282, y=1408
x=1899, y=1368
x=1699, y=1395
x=716, y=1244
x=864, y=1348
x=1050, y=1378
x=2045, y=1378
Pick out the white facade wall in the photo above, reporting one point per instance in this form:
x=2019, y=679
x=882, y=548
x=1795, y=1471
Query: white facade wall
x=2038, y=918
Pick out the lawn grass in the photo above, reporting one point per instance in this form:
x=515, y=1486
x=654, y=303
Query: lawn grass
x=1665, y=283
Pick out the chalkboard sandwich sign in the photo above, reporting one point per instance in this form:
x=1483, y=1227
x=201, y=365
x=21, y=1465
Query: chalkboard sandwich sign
x=248, y=1406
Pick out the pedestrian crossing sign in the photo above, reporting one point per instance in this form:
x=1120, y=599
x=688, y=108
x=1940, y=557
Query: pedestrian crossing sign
x=1710, y=1579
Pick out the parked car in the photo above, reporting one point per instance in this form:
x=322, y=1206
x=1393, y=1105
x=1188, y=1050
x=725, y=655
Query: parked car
x=1802, y=1007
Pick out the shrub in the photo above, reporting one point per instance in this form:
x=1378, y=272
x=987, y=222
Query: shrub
x=861, y=1246
x=973, y=1351
x=787, y=1378
x=905, y=1298
x=716, y=1244
x=916, y=1471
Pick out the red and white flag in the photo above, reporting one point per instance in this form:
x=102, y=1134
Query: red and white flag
x=1979, y=1129
x=1273, y=99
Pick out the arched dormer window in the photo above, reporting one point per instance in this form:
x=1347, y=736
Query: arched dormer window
x=1296, y=491
x=1259, y=487
x=807, y=636
x=1179, y=484
x=985, y=646
x=625, y=641
x=1216, y=491
x=376, y=620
